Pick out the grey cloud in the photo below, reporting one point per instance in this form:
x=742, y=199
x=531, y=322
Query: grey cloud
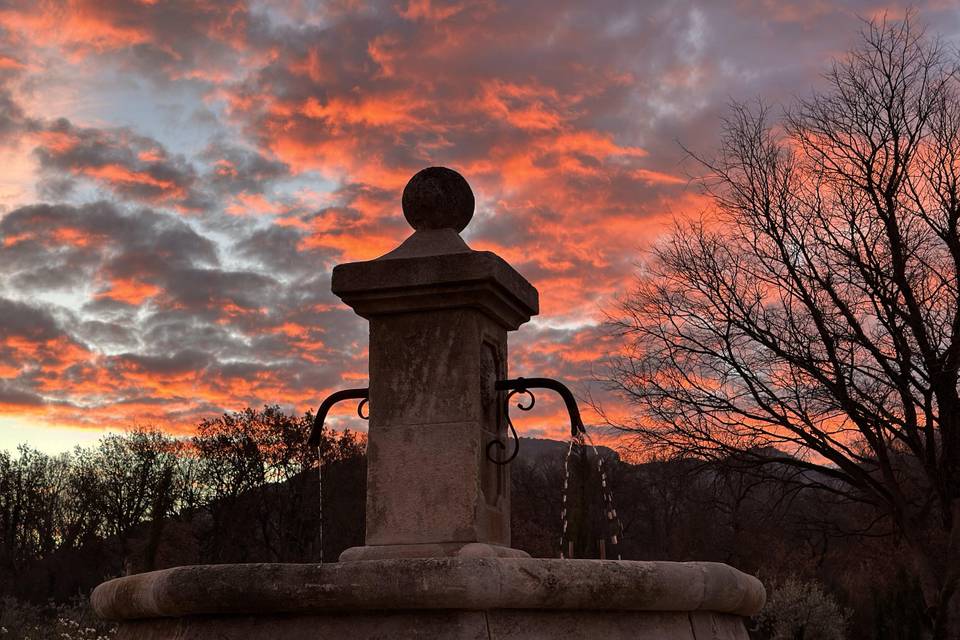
x=180, y=37
x=13, y=119
x=113, y=335
x=185, y=361
x=274, y=247
x=169, y=331
x=134, y=166
x=209, y=288
x=236, y=169
x=26, y=321
x=107, y=239
x=11, y=395
x=277, y=250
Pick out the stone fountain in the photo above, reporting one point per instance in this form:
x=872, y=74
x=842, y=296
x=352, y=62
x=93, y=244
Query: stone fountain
x=437, y=562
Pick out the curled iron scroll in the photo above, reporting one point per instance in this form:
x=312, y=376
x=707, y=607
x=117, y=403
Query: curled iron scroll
x=516, y=439
x=523, y=385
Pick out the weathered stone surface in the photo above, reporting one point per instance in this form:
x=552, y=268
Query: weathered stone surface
x=431, y=550
x=725, y=588
x=415, y=497
x=498, y=624
x=433, y=413
x=477, y=279
x=428, y=583
x=553, y=625
x=712, y=626
x=443, y=347
x=433, y=242
x=413, y=625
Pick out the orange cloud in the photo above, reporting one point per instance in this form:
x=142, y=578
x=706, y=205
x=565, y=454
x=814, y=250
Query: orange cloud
x=72, y=237
x=129, y=291
x=8, y=62
x=9, y=241
x=429, y=10
x=50, y=357
x=118, y=175
x=246, y=203
x=397, y=111
x=151, y=155
x=78, y=28
x=57, y=142
x=8, y=370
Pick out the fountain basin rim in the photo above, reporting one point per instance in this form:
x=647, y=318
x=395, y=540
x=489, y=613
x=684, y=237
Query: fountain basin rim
x=430, y=583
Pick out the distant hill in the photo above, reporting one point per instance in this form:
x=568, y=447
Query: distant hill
x=538, y=448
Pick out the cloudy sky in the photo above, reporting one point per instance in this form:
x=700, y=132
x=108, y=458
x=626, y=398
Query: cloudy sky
x=178, y=178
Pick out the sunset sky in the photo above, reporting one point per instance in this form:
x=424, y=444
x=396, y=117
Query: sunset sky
x=178, y=178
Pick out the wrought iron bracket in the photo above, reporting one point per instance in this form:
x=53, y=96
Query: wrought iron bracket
x=523, y=386
x=514, y=387
x=338, y=396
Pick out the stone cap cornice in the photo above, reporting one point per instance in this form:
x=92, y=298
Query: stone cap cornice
x=430, y=583
x=469, y=279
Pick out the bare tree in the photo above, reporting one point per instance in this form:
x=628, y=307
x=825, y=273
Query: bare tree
x=243, y=458
x=816, y=309
x=131, y=469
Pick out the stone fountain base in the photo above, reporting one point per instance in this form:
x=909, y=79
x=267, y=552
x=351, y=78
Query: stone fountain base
x=458, y=598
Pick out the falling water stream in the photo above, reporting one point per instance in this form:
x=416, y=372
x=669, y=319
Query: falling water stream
x=566, y=487
x=606, y=490
x=320, y=492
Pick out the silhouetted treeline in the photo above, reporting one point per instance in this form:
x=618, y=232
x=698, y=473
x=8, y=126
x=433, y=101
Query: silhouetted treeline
x=245, y=489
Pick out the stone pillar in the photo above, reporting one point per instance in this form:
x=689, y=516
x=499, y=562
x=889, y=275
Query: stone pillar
x=439, y=315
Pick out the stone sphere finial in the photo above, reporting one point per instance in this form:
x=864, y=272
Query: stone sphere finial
x=438, y=198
